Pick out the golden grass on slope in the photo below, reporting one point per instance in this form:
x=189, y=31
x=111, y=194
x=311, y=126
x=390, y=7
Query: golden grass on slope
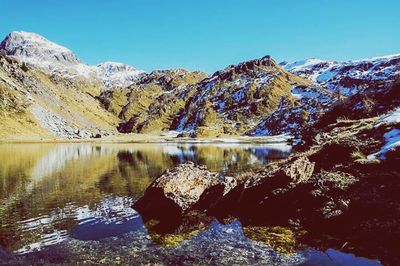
x=22, y=127
x=75, y=101
x=72, y=99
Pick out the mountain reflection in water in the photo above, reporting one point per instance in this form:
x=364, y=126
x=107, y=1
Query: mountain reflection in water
x=49, y=191
x=60, y=193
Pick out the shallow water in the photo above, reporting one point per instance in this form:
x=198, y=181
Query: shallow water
x=74, y=196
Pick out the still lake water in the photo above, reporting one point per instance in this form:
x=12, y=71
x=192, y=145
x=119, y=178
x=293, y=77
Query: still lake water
x=77, y=196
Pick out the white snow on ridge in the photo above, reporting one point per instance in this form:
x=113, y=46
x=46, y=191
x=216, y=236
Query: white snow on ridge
x=390, y=119
x=304, y=64
x=116, y=74
x=313, y=62
x=346, y=76
x=311, y=68
x=376, y=58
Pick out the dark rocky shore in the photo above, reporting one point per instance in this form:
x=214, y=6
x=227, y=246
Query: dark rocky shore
x=333, y=192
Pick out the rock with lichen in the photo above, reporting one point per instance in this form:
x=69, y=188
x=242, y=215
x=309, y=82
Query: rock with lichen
x=182, y=189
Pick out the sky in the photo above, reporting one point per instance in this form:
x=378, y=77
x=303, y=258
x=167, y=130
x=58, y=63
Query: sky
x=209, y=35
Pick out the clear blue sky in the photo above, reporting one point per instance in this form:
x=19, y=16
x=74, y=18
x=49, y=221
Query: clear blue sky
x=209, y=34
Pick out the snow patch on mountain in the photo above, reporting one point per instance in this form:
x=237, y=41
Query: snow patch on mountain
x=376, y=58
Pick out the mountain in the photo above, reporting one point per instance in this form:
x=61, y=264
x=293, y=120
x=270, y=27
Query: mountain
x=47, y=91
x=37, y=51
x=233, y=101
x=236, y=99
x=152, y=103
x=350, y=77
x=38, y=100
x=256, y=97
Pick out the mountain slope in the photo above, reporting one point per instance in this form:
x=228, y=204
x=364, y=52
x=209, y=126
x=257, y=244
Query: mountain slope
x=239, y=98
x=154, y=101
x=234, y=101
x=256, y=97
x=37, y=104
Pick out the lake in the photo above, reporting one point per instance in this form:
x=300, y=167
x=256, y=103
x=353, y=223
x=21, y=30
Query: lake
x=63, y=203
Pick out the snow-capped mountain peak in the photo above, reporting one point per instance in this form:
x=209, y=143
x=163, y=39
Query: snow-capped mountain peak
x=376, y=59
x=347, y=77
x=304, y=64
x=110, y=66
x=35, y=50
x=118, y=74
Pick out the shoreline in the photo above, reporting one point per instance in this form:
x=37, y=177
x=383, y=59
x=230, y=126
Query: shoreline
x=144, y=138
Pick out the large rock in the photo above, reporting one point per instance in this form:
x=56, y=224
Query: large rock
x=255, y=198
x=181, y=189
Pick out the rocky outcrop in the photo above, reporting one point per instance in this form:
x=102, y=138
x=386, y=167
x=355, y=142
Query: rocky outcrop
x=181, y=189
x=188, y=187
x=299, y=170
